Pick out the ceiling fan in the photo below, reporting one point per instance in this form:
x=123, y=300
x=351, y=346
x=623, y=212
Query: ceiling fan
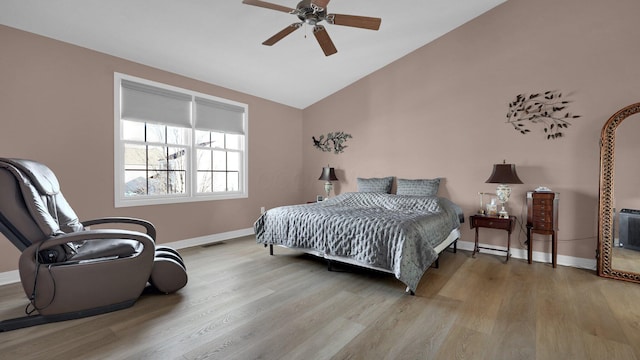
x=313, y=12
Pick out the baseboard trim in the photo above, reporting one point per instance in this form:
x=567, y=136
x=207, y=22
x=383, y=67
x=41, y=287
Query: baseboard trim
x=537, y=255
x=13, y=276
x=210, y=239
x=9, y=277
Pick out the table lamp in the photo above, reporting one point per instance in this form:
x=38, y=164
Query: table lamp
x=328, y=175
x=504, y=174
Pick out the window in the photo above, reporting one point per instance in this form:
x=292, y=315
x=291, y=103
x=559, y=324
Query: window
x=175, y=145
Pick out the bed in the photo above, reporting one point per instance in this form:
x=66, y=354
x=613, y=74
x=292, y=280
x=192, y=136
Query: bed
x=399, y=234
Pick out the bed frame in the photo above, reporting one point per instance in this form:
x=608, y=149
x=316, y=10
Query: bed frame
x=451, y=240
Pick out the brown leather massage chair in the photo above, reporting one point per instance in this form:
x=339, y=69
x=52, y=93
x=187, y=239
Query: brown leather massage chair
x=67, y=270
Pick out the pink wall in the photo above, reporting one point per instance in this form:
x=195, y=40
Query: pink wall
x=57, y=107
x=440, y=111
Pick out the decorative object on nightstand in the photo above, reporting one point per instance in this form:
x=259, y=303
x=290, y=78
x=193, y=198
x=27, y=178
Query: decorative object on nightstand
x=504, y=174
x=542, y=218
x=492, y=208
x=328, y=175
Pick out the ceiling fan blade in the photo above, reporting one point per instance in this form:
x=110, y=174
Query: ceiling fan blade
x=268, y=5
x=279, y=36
x=363, y=22
x=320, y=3
x=324, y=40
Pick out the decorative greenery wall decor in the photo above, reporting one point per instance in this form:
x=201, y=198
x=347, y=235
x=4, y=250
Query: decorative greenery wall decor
x=546, y=108
x=333, y=142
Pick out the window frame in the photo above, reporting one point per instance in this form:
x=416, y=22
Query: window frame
x=191, y=193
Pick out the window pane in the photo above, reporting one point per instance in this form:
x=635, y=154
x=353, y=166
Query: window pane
x=155, y=133
x=233, y=161
x=219, y=160
x=204, y=160
x=135, y=183
x=217, y=140
x=202, y=138
x=177, y=135
x=176, y=171
x=219, y=181
x=157, y=184
x=135, y=157
x=132, y=130
x=234, y=142
x=233, y=181
x=135, y=170
x=176, y=182
x=157, y=158
x=204, y=182
x=157, y=165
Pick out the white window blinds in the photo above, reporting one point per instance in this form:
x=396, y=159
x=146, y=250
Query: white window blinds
x=216, y=116
x=142, y=102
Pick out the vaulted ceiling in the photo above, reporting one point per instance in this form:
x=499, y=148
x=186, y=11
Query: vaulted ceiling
x=219, y=41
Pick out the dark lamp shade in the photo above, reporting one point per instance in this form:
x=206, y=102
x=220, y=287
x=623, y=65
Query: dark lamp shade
x=504, y=174
x=328, y=174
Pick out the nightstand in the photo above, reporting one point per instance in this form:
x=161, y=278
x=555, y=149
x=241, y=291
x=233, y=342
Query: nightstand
x=481, y=221
x=542, y=218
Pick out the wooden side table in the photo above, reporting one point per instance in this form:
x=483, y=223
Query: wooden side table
x=478, y=221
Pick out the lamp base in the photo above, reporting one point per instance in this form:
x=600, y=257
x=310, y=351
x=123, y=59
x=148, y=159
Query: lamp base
x=503, y=191
x=328, y=186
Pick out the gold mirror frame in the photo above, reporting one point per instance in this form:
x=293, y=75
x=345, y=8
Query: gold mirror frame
x=605, y=218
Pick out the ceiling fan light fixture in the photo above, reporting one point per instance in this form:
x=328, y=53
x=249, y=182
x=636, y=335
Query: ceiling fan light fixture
x=311, y=19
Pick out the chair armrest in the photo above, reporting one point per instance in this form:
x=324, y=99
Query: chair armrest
x=151, y=230
x=90, y=235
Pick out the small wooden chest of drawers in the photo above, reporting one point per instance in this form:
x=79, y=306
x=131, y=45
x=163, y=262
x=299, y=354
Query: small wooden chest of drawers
x=542, y=218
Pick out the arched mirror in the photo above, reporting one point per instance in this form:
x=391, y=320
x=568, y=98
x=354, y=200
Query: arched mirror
x=619, y=220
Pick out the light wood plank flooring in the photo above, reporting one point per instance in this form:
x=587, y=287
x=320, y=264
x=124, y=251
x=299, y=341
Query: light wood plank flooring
x=241, y=303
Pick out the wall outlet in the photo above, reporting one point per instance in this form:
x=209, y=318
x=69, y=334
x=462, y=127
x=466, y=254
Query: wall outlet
x=261, y=209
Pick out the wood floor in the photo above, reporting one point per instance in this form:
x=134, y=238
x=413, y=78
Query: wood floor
x=241, y=303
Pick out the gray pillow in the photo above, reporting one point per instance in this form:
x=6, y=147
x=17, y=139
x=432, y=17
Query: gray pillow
x=419, y=187
x=377, y=185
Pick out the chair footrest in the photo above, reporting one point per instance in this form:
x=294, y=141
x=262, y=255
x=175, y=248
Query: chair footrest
x=169, y=273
